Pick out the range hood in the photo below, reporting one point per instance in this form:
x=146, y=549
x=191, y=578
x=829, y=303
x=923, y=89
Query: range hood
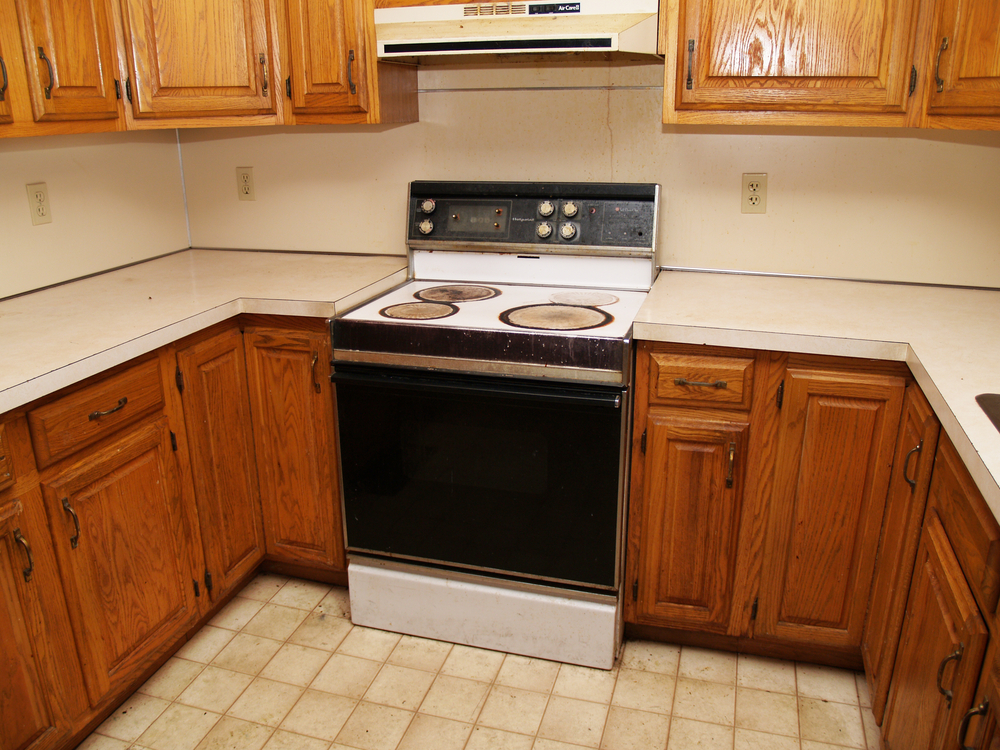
x=447, y=28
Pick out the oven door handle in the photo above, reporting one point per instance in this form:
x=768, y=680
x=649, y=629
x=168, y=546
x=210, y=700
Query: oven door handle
x=611, y=398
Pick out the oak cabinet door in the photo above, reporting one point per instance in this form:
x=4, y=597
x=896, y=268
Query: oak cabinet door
x=118, y=526
x=966, y=49
x=220, y=436
x=837, y=433
x=941, y=649
x=70, y=59
x=689, y=524
x=328, y=56
x=6, y=113
x=904, y=515
x=292, y=406
x=198, y=59
x=794, y=55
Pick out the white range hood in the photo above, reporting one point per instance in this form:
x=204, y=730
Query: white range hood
x=517, y=27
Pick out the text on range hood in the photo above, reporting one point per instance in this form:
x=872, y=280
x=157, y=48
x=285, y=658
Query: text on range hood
x=512, y=27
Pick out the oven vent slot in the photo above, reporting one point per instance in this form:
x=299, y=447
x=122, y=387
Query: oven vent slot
x=496, y=9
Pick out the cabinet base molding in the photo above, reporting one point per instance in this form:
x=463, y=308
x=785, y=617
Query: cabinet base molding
x=309, y=572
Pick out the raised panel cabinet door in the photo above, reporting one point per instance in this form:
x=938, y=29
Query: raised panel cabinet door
x=940, y=651
x=6, y=113
x=291, y=402
x=220, y=437
x=966, y=59
x=794, y=55
x=693, y=488
x=198, y=59
x=904, y=515
x=836, y=439
x=327, y=52
x=118, y=529
x=70, y=58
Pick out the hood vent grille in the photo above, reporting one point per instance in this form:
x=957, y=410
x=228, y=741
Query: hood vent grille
x=496, y=9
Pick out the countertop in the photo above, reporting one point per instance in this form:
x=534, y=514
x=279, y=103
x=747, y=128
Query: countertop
x=949, y=337
x=59, y=336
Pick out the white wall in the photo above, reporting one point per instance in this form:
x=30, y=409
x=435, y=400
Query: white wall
x=874, y=203
x=115, y=198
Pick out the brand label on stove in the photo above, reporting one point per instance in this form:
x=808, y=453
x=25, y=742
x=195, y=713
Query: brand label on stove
x=550, y=8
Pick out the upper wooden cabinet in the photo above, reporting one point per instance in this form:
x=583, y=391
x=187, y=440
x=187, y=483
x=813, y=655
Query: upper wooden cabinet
x=6, y=112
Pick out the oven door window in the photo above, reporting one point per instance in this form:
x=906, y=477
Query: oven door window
x=518, y=480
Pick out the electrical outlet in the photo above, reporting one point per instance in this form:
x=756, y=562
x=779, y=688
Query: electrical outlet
x=244, y=184
x=754, y=193
x=38, y=203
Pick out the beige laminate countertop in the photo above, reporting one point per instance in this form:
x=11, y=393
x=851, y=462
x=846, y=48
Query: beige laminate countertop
x=950, y=338
x=59, y=336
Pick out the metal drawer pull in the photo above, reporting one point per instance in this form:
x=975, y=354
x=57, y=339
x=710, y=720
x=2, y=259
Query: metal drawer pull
x=27, y=548
x=979, y=710
x=263, y=65
x=906, y=466
x=74, y=541
x=312, y=367
x=52, y=74
x=3, y=89
x=684, y=381
x=98, y=414
x=955, y=655
x=690, y=81
x=937, y=67
x=350, y=79
x=732, y=462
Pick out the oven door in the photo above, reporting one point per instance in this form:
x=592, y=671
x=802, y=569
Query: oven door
x=520, y=478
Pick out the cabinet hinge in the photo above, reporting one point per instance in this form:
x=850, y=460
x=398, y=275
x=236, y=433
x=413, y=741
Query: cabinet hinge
x=179, y=379
x=642, y=442
x=781, y=394
x=197, y=588
x=913, y=80
x=635, y=590
x=288, y=87
x=173, y=441
x=128, y=89
x=118, y=89
x=753, y=610
x=208, y=581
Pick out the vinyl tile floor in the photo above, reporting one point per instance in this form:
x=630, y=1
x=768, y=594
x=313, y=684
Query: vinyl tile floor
x=281, y=667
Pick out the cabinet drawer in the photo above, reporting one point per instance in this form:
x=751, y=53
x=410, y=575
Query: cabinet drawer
x=82, y=417
x=703, y=379
x=971, y=527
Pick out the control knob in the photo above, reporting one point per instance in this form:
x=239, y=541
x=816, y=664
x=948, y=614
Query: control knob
x=544, y=230
x=545, y=208
x=427, y=205
x=426, y=226
x=567, y=231
x=570, y=209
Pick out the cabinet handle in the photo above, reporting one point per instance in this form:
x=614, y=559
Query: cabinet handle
x=52, y=74
x=732, y=463
x=263, y=66
x=955, y=655
x=684, y=381
x=350, y=76
x=937, y=67
x=3, y=89
x=27, y=548
x=979, y=710
x=312, y=367
x=906, y=465
x=98, y=414
x=690, y=80
x=74, y=541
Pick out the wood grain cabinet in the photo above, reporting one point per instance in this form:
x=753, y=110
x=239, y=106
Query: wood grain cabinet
x=6, y=111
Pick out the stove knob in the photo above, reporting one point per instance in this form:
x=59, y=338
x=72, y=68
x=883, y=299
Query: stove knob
x=545, y=208
x=567, y=231
x=427, y=205
x=544, y=230
x=426, y=226
x=570, y=209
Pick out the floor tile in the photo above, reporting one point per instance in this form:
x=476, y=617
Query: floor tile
x=420, y=653
x=513, y=710
x=247, y=653
x=237, y=613
x=649, y=656
x=301, y=594
x=320, y=715
x=368, y=643
x=527, y=673
x=373, y=727
x=864, y=697
x=544, y=744
x=133, y=717
x=836, y=723
x=274, y=621
x=215, y=689
x=336, y=603
x=747, y=739
x=763, y=711
x=702, y=664
x=827, y=683
x=321, y=631
x=400, y=687
x=585, y=683
x=282, y=740
x=873, y=735
x=761, y=673
x=234, y=734
x=472, y=663
x=628, y=729
x=810, y=745
x=705, y=701
x=483, y=738
x=263, y=586
x=644, y=691
x=266, y=702
x=206, y=644
x=575, y=721
x=455, y=698
x=171, y=679
x=294, y=664
x=178, y=728
x=686, y=734
x=434, y=733
x=346, y=675
x=100, y=742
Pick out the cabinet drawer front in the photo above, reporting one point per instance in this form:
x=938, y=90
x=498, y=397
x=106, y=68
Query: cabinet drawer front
x=89, y=414
x=710, y=381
